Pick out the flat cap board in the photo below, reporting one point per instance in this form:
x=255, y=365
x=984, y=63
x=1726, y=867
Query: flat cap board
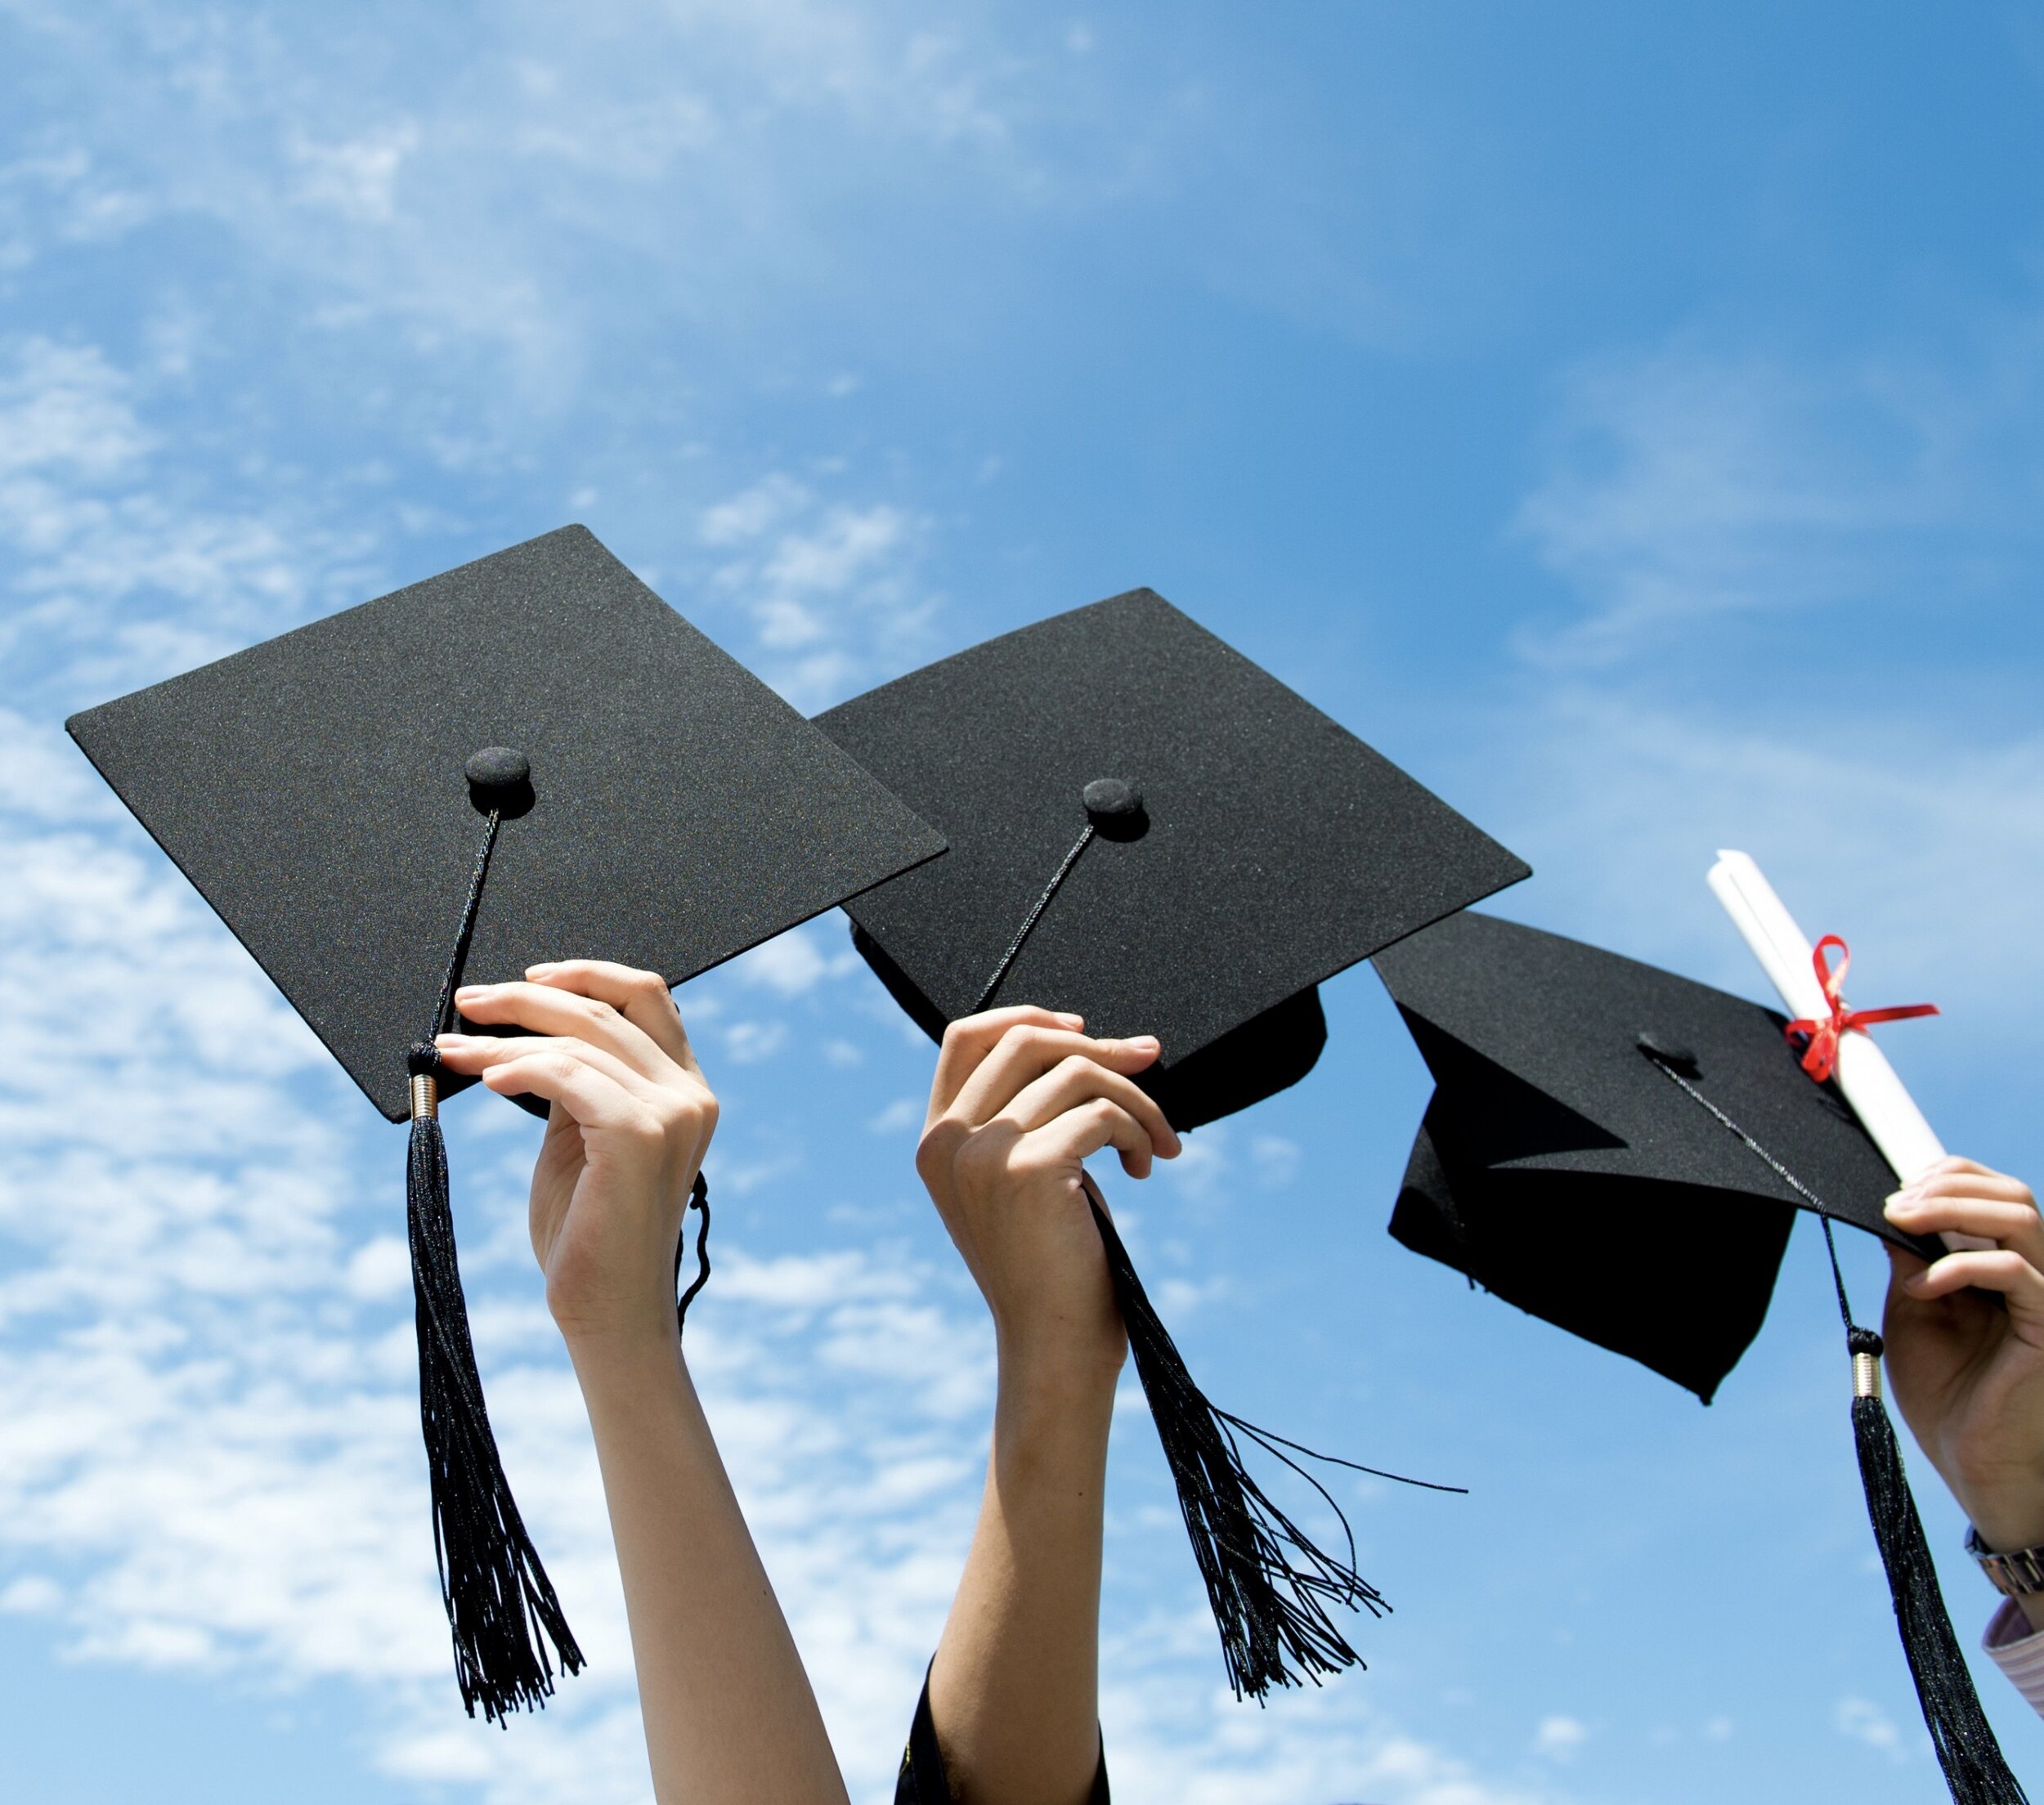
x=1270, y=848
x=312, y=787
x=1560, y=1167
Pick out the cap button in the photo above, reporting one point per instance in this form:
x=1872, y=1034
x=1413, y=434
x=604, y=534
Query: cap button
x=1668, y=1050
x=1115, y=808
x=497, y=768
x=499, y=777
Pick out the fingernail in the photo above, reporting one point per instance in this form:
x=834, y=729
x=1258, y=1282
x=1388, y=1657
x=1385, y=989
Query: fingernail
x=540, y=971
x=1076, y=1021
x=469, y=992
x=451, y=1039
x=1143, y=1040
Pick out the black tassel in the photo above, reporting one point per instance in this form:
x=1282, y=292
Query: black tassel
x=1270, y=1586
x=1974, y=1766
x=500, y=1605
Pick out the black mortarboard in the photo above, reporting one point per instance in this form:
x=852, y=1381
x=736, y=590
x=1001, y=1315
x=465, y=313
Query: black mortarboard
x=1148, y=830
x=529, y=757
x=1547, y=1109
x=1253, y=846
x=1595, y=1120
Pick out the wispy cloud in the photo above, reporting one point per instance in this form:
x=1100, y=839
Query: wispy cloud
x=830, y=589
x=124, y=567
x=477, y=195
x=1692, y=484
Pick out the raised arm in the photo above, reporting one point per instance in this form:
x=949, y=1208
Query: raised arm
x=1021, y=1098
x=730, y=1718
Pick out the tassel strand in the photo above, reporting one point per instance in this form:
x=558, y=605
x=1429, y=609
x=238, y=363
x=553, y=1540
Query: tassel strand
x=501, y=1608
x=1270, y=1585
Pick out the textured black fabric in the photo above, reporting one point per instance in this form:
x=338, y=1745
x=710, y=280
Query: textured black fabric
x=1276, y=849
x=1556, y=1164
x=313, y=788
x=922, y=1780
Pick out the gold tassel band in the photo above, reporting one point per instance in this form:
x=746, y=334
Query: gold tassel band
x=1865, y=1372
x=425, y=1097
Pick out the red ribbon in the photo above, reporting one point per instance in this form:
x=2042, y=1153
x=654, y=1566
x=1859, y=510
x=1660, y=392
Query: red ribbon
x=1820, y=1058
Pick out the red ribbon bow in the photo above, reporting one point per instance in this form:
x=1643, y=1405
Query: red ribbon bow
x=1820, y=1058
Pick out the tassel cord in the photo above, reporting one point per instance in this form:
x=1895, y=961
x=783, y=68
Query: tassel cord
x=1035, y=914
x=1975, y=1771
x=1269, y=1437
x=444, y=1009
x=698, y=1200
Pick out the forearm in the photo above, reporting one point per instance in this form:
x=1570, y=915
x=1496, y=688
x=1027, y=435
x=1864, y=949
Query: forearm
x=730, y=1718
x=1014, y=1688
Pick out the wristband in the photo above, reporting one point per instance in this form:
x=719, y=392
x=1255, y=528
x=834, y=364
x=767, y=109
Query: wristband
x=2017, y=1575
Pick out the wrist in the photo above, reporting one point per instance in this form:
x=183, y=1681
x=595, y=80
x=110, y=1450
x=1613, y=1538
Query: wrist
x=625, y=1348
x=2006, y=1511
x=1055, y=1410
x=1059, y=1371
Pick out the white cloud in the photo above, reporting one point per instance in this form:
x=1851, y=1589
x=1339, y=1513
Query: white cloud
x=831, y=588
x=900, y=1116
x=1274, y=1160
x=1558, y=1737
x=796, y=962
x=747, y=1043
x=1862, y=1721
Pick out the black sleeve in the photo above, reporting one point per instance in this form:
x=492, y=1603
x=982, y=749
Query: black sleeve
x=923, y=1780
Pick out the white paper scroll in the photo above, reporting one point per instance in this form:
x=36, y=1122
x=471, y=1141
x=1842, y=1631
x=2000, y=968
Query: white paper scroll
x=1886, y=1110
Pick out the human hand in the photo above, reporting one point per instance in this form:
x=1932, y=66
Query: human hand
x=631, y=1119
x=1020, y=1098
x=1967, y=1367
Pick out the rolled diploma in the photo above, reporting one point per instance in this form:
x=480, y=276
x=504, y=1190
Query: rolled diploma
x=1885, y=1109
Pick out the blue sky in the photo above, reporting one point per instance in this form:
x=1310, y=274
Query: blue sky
x=1628, y=418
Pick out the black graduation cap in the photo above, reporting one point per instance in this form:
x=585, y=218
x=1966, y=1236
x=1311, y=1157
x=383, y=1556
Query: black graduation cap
x=1549, y=1110
x=1594, y=1119
x=1150, y=832
x=1250, y=846
x=529, y=758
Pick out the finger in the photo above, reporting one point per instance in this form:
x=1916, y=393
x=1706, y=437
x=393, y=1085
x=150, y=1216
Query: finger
x=2015, y=1225
x=1957, y=1162
x=597, y=1102
x=566, y=1014
x=1025, y=1053
x=1083, y=1132
x=1996, y=1269
x=1078, y=1079
x=1982, y=1183
x=476, y=1055
x=968, y=1040
x=641, y=997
